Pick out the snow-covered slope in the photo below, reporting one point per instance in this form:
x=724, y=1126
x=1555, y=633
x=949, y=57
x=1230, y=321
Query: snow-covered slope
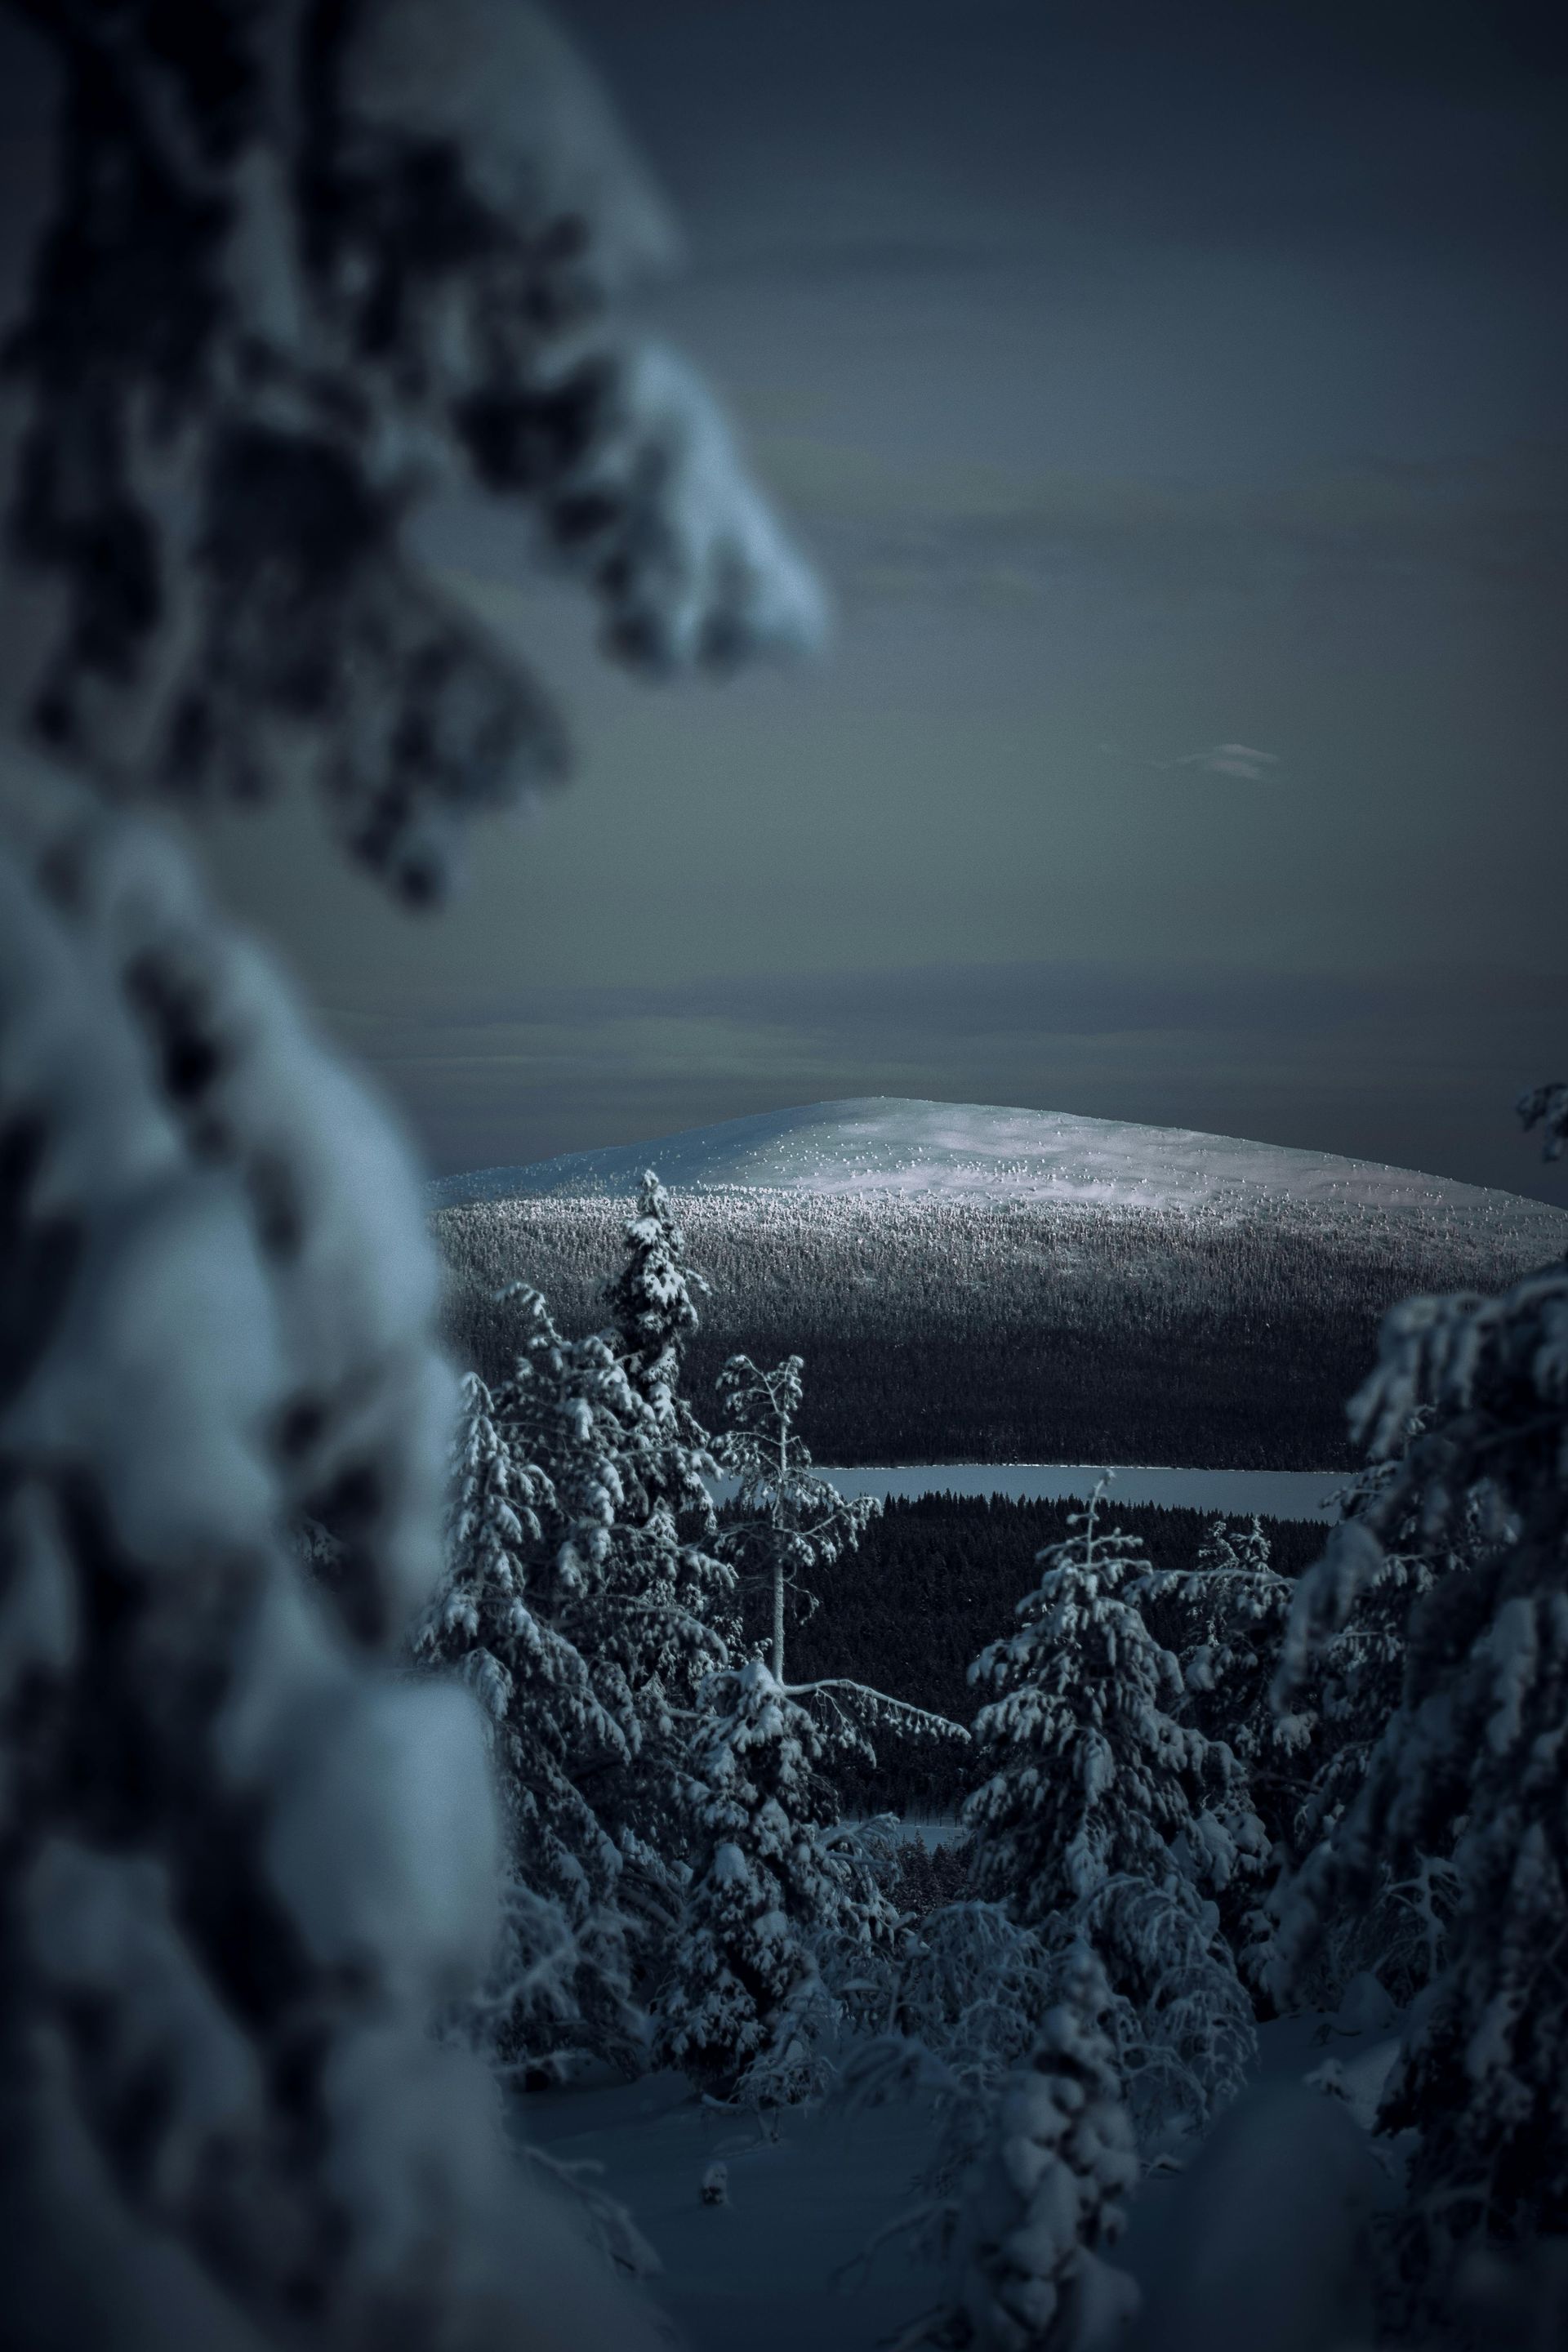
x=880, y=1144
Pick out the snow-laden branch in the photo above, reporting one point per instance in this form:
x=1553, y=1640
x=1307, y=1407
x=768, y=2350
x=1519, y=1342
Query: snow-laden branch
x=941, y=1726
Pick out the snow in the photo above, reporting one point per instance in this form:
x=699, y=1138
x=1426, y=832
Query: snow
x=881, y=1144
x=759, y=2270
x=225, y=1289
x=496, y=79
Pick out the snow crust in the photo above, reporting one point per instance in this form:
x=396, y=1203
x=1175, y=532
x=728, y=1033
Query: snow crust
x=884, y=1145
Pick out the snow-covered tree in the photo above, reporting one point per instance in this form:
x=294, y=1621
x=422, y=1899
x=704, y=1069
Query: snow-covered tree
x=1473, y=1765
x=563, y=1973
x=653, y=1307
x=1223, y=1621
x=669, y=1474
x=374, y=251
x=305, y=263
x=1093, y=1776
x=787, y=1521
x=1103, y=1812
x=1340, y=1685
x=745, y=2000
x=1547, y=1108
x=1049, y=2201
x=640, y=1605
x=963, y=1991
x=242, y=1862
x=667, y=1613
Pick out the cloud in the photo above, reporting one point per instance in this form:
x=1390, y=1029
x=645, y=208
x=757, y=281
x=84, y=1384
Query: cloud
x=1498, y=524
x=1416, y=1065
x=912, y=1010
x=1229, y=759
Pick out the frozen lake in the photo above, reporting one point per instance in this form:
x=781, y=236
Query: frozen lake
x=1280, y=1493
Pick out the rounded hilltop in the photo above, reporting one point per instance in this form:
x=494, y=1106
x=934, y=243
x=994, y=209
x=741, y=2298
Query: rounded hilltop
x=882, y=1144
x=968, y=1283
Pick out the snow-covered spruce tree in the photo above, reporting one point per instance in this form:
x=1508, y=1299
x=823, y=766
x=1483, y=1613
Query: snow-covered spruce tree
x=965, y=1995
x=305, y=262
x=785, y=1520
x=562, y=1976
x=1049, y=2198
x=571, y=1414
x=653, y=1308
x=310, y=262
x=745, y=2000
x=1103, y=1815
x=1339, y=1687
x=667, y=1616
x=1547, y=1108
x=1223, y=1621
x=241, y=1863
x=1473, y=1763
x=785, y=1920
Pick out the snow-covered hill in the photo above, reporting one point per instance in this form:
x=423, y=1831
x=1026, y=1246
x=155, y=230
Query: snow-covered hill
x=978, y=1285
x=882, y=1145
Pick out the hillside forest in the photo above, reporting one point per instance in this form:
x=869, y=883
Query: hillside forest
x=944, y=1330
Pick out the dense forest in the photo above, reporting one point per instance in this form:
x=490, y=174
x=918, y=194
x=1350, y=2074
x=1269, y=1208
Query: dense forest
x=954, y=1331
x=931, y=1581
x=1206, y=1775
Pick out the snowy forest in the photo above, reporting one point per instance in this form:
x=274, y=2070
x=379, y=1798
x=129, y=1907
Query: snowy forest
x=1015, y=1331
x=396, y=1750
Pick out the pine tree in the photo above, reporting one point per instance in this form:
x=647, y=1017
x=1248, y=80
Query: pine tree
x=304, y=266
x=1546, y=1108
x=1339, y=1688
x=744, y=1999
x=777, y=1890
x=1093, y=1777
x=565, y=1974
x=635, y=1601
x=785, y=1520
x=1341, y=1674
x=1473, y=1764
x=1223, y=1621
x=653, y=1308
x=1104, y=1813
x=1050, y=2196
x=667, y=1614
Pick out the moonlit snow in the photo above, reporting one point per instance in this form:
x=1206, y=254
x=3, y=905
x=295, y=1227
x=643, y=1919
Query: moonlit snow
x=881, y=1144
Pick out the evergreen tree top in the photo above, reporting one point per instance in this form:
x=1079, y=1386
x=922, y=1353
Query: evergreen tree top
x=653, y=1299
x=1092, y=1775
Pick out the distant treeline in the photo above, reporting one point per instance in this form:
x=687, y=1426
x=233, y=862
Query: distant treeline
x=934, y=1580
x=963, y=1331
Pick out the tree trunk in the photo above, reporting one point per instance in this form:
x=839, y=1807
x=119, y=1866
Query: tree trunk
x=778, y=1621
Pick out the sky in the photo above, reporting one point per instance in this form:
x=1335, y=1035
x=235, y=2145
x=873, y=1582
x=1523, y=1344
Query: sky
x=1173, y=403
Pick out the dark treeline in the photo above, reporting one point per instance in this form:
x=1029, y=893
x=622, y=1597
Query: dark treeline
x=972, y=1332
x=933, y=1580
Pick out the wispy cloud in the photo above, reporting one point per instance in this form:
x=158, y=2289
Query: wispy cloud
x=1498, y=522
x=1229, y=759
x=1414, y=1065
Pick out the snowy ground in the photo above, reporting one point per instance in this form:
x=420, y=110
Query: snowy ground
x=758, y=2275
x=881, y=1144
x=1279, y=1494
